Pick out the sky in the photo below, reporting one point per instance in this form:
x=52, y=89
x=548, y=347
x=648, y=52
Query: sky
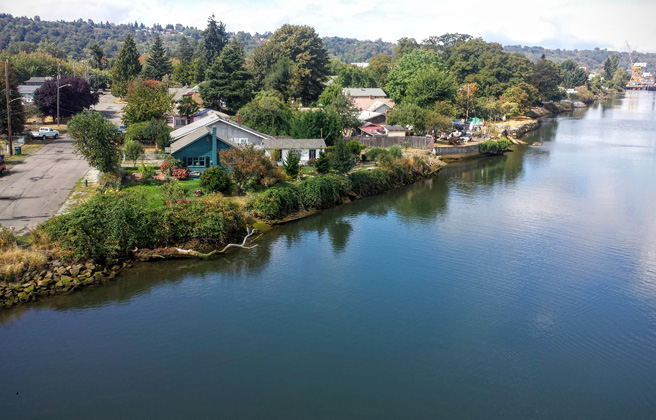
x=564, y=24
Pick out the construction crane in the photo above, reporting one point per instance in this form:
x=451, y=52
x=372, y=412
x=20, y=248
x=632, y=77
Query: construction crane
x=636, y=81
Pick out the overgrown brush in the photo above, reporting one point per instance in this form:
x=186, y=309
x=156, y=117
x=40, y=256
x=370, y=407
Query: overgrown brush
x=367, y=183
x=276, y=202
x=320, y=192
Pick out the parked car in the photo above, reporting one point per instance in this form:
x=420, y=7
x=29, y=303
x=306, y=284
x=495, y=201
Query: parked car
x=122, y=129
x=44, y=133
x=3, y=165
x=100, y=92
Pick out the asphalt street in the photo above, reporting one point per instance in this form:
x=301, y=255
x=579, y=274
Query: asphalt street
x=34, y=188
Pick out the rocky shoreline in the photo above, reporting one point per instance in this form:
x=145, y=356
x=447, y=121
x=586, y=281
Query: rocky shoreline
x=55, y=278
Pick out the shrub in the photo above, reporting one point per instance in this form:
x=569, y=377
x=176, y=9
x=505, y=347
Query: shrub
x=323, y=191
x=276, y=202
x=135, y=131
x=375, y=153
x=322, y=164
x=368, y=183
x=133, y=151
x=395, y=151
x=247, y=166
x=106, y=226
x=181, y=173
x=163, y=140
x=341, y=160
x=215, y=179
x=147, y=172
x=492, y=147
x=174, y=192
x=292, y=160
x=355, y=147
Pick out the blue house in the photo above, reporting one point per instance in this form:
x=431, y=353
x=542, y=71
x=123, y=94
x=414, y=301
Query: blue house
x=199, y=149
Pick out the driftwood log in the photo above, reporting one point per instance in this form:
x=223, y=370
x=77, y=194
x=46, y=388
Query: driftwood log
x=173, y=252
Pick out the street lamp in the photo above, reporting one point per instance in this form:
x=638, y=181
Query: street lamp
x=59, y=87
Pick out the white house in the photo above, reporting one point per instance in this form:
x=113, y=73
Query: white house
x=278, y=148
x=226, y=129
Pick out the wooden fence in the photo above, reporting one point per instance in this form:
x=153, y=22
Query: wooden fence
x=387, y=141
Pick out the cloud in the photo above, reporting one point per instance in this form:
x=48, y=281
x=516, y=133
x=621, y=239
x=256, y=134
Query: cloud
x=558, y=24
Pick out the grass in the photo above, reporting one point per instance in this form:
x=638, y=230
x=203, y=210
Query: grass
x=154, y=195
x=14, y=259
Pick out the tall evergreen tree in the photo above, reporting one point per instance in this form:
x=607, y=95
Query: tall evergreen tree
x=158, y=64
x=17, y=115
x=228, y=82
x=215, y=38
x=126, y=67
x=546, y=78
x=184, y=51
x=97, y=55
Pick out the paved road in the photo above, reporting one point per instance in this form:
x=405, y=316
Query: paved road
x=34, y=189
x=109, y=109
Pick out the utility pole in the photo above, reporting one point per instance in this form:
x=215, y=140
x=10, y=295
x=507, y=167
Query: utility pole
x=11, y=149
x=58, y=93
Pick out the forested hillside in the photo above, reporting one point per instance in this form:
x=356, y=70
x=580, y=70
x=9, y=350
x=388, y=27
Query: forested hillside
x=592, y=59
x=351, y=50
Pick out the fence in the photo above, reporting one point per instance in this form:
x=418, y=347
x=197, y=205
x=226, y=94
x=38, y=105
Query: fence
x=387, y=141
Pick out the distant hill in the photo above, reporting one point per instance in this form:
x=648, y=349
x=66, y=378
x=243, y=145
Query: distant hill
x=592, y=59
x=74, y=39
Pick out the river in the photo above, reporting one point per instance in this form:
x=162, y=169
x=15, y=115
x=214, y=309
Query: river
x=517, y=287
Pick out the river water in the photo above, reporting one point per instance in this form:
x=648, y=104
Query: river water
x=519, y=287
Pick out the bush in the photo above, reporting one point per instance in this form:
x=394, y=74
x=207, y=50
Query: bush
x=247, y=166
x=147, y=172
x=135, y=131
x=492, y=147
x=395, y=151
x=215, y=179
x=322, y=164
x=133, y=151
x=107, y=226
x=368, y=183
x=375, y=153
x=163, y=140
x=277, y=202
x=181, y=173
x=355, y=147
x=292, y=160
x=174, y=192
x=323, y=191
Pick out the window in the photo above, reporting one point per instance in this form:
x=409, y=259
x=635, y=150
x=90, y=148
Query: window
x=179, y=122
x=313, y=153
x=198, y=161
x=242, y=142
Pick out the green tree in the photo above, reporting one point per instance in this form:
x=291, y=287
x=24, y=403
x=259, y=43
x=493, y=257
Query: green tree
x=48, y=47
x=126, y=67
x=281, y=77
x=407, y=69
x=304, y=48
x=158, y=64
x=404, y=46
x=324, y=124
x=408, y=114
x=443, y=44
x=467, y=97
x=517, y=96
x=291, y=162
x=188, y=107
x=546, y=78
x=133, y=151
x=573, y=74
x=322, y=164
x=97, y=55
x=215, y=38
x=619, y=79
x=15, y=106
x=431, y=85
x=341, y=159
x=268, y=114
x=228, y=82
x=379, y=68
x=147, y=99
x=610, y=66
x=184, y=52
x=96, y=139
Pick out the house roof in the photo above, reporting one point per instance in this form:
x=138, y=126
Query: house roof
x=24, y=89
x=394, y=128
x=367, y=115
x=197, y=134
x=368, y=103
x=359, y=92
x=272, y=143
x=212, y=118
x=37, y=80
x=373, y=129
x=179, y=93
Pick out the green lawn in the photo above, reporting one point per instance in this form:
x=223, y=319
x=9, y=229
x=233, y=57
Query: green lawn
x=154, y=195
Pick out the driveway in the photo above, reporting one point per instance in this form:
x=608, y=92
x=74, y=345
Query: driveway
x=34, y=188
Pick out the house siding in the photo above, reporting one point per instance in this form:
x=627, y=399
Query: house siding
x=201, y=148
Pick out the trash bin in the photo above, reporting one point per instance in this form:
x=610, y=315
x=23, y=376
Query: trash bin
x=17, y=150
